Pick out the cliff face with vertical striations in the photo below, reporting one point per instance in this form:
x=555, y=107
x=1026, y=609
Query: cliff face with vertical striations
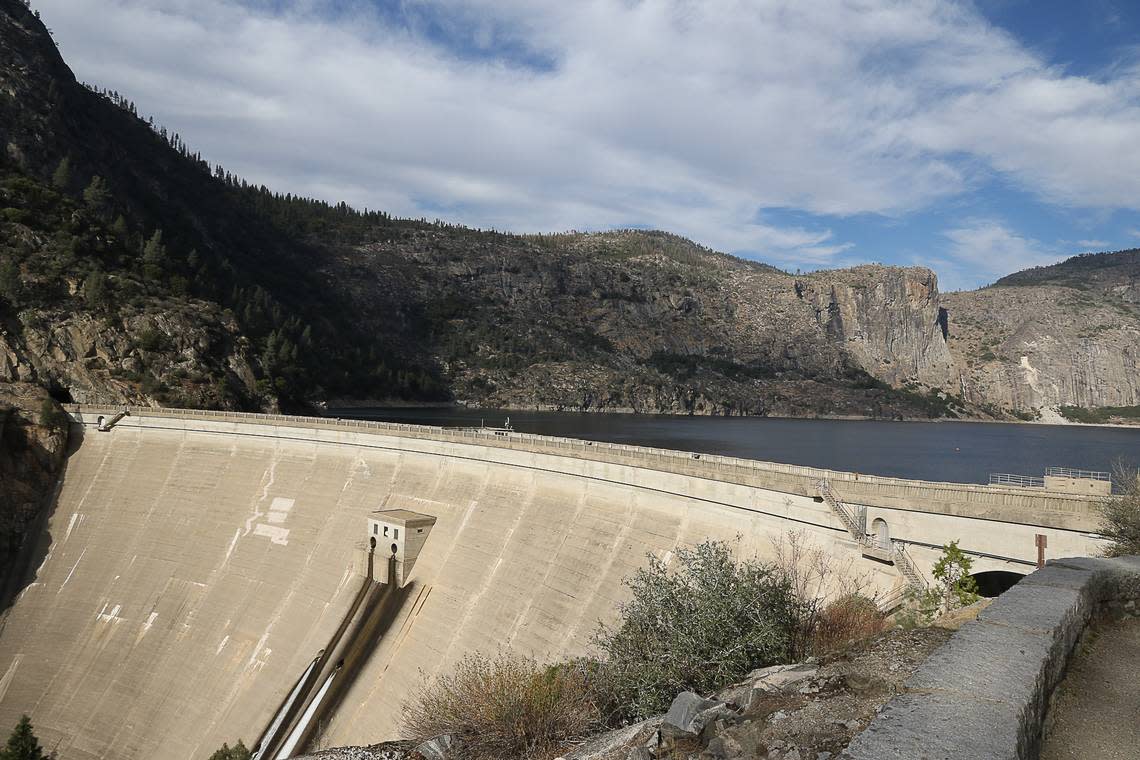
x=1062, y=335
x=888, y=318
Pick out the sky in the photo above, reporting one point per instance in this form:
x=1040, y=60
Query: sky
x=974, y=138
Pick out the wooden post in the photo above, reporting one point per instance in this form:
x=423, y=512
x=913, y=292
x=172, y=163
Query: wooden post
x=1042, y=541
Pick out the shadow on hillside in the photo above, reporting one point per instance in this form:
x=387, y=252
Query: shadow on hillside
x=29, y=556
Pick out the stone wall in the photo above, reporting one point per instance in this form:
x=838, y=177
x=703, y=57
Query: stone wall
x=985, y=693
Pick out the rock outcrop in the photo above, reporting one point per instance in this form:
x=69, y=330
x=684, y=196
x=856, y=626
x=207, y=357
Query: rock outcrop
x=184, y=357
x=33, y=441
x=1064, y=335
x=889, y=319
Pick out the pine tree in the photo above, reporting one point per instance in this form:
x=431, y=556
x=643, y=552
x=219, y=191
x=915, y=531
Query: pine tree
x=119, y=227
x=954, y=585
x=236, y=752
x=154, y=256
x=10, y=281
x=98, y=194
x=95, y=290
x=22, y=744
x=62, y=176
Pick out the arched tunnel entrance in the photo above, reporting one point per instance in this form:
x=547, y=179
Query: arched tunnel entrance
x=993, y=583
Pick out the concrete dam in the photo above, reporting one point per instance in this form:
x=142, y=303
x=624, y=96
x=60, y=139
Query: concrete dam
x=195, y=565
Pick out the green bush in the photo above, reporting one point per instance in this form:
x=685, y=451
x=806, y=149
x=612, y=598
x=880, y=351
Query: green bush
x=954, y=587
x=51, y=416
x=702, y=623
x=506, y=706
x=1100, y=414
x=1120, y=515
x=152, y=339
x=236, y=752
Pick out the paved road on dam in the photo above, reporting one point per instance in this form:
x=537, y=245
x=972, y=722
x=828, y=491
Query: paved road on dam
x=194, y=567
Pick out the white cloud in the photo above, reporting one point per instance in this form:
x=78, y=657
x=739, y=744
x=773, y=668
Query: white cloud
x=689, y=116
x=1094, y=245
x=986, y=249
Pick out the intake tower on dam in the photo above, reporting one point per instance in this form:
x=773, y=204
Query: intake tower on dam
x=199, y=565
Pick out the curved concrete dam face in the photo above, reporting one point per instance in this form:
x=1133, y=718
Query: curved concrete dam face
x=197, y=565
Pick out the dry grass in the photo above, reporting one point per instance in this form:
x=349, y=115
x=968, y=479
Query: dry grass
x=504, y=707
x=849, y=618
x=834, y=607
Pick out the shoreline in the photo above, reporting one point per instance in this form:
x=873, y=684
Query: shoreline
x=327, y=408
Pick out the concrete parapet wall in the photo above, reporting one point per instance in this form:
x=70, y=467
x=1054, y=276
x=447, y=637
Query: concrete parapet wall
x=984, y=694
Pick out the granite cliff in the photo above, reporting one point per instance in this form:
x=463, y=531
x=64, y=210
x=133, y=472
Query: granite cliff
x=1053, y=336
x=628, y=320
x=891, y=320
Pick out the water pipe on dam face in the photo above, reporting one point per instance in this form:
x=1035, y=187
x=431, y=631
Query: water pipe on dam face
x=324, y=683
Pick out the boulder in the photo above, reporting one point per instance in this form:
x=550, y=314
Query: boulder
x=779, y=678
x=435, y=748
x=689, y=714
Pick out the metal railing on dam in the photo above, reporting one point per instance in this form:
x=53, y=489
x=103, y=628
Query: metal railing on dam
x=1000, y=502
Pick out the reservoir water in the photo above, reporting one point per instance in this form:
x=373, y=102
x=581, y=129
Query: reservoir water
x=965, y=452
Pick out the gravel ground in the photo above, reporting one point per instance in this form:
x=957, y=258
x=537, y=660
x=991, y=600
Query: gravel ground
x=1096, y=711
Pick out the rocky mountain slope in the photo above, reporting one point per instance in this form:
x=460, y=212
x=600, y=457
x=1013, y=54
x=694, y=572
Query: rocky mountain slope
x=1068, y=334
x=129, y=271
x=634, y=321
x=33, y=439
x=133, y=271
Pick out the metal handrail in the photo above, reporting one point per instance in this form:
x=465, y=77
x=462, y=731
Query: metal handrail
x=908, y=566
x=849, y=521
x=1068, y=472
x=1020, y=481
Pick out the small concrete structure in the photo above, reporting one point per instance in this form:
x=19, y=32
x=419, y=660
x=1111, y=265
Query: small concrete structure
x=1081, y=485
x=400, y=533
x=1060, y=480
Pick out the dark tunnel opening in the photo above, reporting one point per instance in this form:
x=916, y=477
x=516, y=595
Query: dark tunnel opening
x=996, y=582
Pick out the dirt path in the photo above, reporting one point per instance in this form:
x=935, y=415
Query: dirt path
x=1096, y=713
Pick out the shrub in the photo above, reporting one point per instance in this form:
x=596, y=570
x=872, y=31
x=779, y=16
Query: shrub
x=818, y=580
x=151, y=339
x=704, y=623
x=849, y=618
x=236, y=752
x=1120, y=515
x=51, y=416
x=507, y=706
x=953, y=585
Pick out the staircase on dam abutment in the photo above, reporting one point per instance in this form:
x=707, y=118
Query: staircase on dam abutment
x=882, y=549
x=202, y=575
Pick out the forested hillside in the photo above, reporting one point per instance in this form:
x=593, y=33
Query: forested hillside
x=132, y=270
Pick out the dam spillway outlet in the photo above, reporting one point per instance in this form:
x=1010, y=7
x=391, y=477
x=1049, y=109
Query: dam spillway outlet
x=200, y=564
